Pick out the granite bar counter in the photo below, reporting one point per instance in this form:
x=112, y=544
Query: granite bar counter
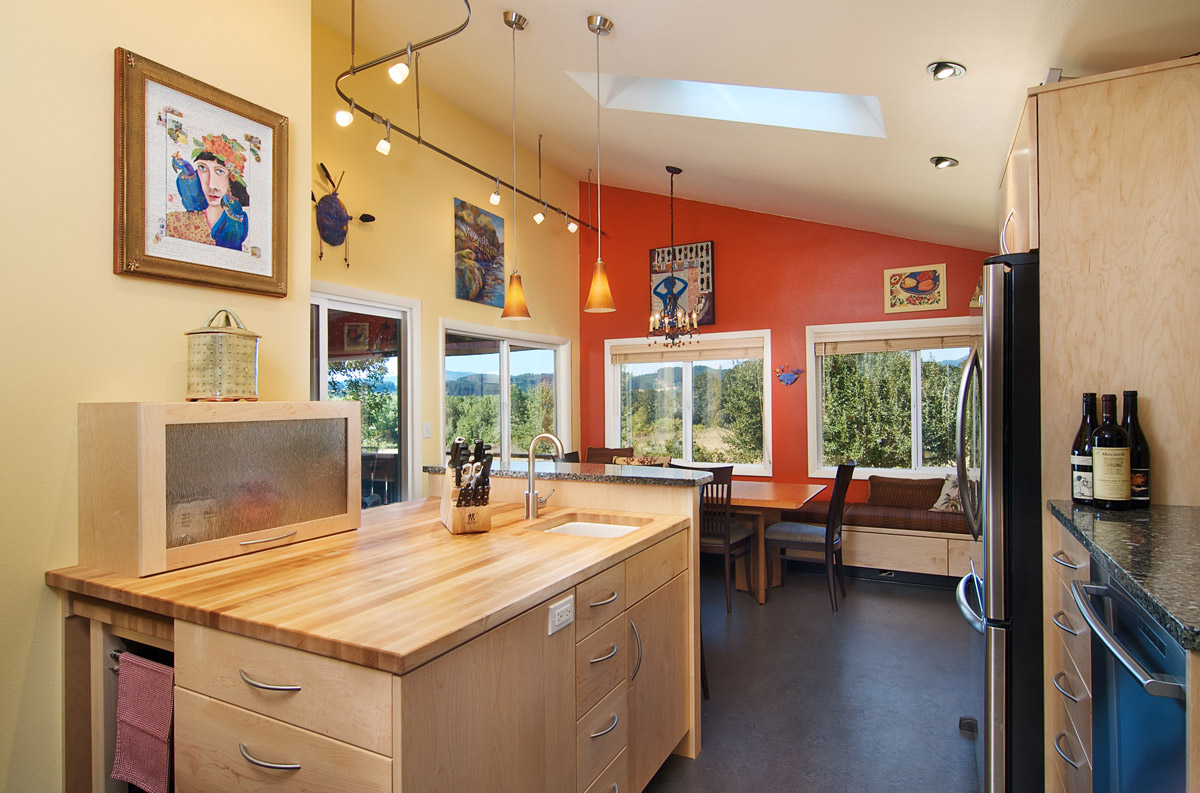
x=592, y=472
x=1154, y=554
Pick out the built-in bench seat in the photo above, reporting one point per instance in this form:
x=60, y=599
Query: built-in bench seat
x=896, y=529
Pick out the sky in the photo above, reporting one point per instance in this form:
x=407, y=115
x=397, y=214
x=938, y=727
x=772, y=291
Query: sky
x=520, y=361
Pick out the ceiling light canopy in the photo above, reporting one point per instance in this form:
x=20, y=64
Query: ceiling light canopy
x=943, y=162
x=946, y=70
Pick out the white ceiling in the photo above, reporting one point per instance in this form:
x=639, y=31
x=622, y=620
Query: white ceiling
x=872, y=47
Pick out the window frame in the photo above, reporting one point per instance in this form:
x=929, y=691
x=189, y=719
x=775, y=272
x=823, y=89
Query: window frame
x=612, y=395
x=325, y=295
x=875, y=331
x=507, y=337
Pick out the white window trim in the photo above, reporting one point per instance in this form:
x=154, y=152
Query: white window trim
x=322, y=293
x=612, y=396
x=862, y=331
x=562, y=376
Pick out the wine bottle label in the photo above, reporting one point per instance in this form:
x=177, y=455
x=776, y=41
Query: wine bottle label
x=1110, y=473
x=1081, y=484
x=1139, y=484
x=1081, y=459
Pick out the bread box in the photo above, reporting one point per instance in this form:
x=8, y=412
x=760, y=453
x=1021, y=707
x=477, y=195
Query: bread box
x=172, y=484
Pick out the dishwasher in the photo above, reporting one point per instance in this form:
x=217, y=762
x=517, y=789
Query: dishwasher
x=1138, y=692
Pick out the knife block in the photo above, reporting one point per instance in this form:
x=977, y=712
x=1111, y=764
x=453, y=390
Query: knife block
x=462, y=520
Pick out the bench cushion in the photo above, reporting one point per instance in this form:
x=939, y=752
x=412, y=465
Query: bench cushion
x=882, y=517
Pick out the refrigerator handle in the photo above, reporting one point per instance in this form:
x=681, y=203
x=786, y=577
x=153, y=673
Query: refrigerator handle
x=969, y=501
x=973, y=618
x=1153, y=685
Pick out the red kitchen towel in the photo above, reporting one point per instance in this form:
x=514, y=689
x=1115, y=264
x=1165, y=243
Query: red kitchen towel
x=144, y=713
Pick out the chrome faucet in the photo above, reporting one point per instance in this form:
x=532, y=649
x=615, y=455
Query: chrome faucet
x=532, y=502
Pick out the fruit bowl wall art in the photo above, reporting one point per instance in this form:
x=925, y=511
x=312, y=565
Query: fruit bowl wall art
x=914, y=289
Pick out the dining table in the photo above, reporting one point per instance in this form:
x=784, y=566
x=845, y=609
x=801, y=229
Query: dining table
x=764, y=503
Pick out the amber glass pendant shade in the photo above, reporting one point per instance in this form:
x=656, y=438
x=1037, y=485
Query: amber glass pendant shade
x=514, y=299
x=600, y=298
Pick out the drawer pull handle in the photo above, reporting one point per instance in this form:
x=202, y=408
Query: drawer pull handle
x=604, y=602
x=1061, y=753
x=1063, y=560
x=264, y=764
x=267, y=539
x=605, y=657
x=1071, y=631
x=637, y=666
x=1066, y=693
x=607, y=729
x=264, y=686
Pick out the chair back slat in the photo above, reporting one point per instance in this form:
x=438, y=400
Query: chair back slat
x=716, y=511
x=837, y=502
x=604, y=455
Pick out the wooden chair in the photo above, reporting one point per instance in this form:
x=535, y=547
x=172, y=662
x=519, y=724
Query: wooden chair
x=825, y=539
x=370, y=460
x=718, y=534
x=600, y=454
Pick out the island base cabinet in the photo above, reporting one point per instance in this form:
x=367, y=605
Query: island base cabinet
x=493, y=716
x=658, y=680
x=214, y=742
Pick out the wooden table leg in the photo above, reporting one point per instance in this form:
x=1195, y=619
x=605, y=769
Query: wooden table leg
x=760, y=556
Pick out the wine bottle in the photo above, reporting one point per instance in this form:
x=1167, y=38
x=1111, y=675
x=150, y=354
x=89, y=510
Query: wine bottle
x=1139, y=454
x=1110, y=459
x=1081, y=453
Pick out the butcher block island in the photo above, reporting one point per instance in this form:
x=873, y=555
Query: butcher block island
x=401, y=657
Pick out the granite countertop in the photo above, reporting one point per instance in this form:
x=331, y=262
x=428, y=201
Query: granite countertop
x=592, y=472
x=1154, y=554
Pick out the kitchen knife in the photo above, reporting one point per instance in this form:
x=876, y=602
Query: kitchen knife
x=478, y=456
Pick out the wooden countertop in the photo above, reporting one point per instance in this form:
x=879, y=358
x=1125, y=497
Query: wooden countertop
x=394, y=594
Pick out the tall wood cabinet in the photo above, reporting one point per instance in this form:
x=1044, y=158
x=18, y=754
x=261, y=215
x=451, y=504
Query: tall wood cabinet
x=1115, y=164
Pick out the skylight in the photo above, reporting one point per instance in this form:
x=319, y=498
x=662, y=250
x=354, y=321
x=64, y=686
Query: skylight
x=846, y=114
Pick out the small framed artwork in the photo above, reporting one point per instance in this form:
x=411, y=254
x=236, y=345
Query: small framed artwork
x=909, y=289
x=201, y=182
x=478, y=255
x=688, y=274
x=357, y=337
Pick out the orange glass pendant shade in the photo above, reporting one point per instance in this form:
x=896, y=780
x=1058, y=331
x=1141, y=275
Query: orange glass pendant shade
x=514, y=299
x=600, y=299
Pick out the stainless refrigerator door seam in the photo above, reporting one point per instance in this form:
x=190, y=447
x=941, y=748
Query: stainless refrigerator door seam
x=995, y=712
x=992, y=478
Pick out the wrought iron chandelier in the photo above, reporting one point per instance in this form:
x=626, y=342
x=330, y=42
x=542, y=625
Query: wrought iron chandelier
x=675, y=324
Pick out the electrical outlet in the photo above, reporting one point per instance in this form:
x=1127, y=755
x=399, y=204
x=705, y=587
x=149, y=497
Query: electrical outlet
x=562, y=614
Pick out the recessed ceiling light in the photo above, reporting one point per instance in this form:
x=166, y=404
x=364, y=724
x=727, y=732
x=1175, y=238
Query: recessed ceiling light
x=946, y=70
x=943, y=162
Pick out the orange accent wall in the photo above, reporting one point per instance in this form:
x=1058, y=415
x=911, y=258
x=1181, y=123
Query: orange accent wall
x=769, y=272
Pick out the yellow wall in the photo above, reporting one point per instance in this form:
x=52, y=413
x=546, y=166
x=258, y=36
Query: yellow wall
x=75, y=331
x=409, y=249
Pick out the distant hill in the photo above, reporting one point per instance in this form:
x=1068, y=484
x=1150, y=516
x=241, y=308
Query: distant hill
x=476, y=384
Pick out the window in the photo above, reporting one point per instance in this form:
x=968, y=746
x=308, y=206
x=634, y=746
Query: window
x=886, y=394
x=705, y=402
x=360, y=348
x=504, y=389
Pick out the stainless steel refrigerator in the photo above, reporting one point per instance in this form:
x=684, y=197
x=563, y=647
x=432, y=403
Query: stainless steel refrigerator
x=999, y=451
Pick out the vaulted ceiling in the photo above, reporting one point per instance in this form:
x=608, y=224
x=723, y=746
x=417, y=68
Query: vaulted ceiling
x=876, y=48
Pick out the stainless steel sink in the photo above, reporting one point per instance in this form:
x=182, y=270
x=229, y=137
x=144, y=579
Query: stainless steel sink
x=589, y=524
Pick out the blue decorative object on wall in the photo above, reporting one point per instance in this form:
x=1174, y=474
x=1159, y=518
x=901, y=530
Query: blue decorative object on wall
x=332, y=218
x=786, y=374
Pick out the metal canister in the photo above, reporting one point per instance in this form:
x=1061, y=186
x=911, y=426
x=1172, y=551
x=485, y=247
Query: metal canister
x=222, y=360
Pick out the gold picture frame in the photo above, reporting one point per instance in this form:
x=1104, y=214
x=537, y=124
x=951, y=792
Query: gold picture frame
x=920, y=288
x=189, y=160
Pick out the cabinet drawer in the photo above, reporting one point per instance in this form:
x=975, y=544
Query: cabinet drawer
x=614, y=778
x=655, y=566
x=1069, y=559
x=1068, y=683
x=895, y=552
x=599, y=599
x=1069, y=625
x=1062, y=738
x=344, y=701
x=600, y=735
x=209, y=735
x=599, y=664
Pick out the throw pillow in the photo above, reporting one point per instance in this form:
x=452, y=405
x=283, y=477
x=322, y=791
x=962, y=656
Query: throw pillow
x=949, y=500
x=887, y=491
x=663, y=461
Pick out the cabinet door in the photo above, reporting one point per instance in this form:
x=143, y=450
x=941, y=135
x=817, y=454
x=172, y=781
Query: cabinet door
x=1019, y=188
x=496, y=715
x=658, y=678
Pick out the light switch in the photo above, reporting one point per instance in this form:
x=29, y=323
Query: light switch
x=426, y=430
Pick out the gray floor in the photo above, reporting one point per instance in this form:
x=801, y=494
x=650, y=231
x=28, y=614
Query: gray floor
x=806, y=700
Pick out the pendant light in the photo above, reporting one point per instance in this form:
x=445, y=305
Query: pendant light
x=599, y=300
x=514, y=297
x=674, y=322
x=540, y=215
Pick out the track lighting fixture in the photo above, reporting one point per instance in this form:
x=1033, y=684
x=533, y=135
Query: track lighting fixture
x=345, y=117
x=494, y=198
x=384, y=146
x=399, y=70
x=540, y=215
x=572, y=226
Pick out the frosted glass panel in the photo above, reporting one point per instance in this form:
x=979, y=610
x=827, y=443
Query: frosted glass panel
x=227, y=479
